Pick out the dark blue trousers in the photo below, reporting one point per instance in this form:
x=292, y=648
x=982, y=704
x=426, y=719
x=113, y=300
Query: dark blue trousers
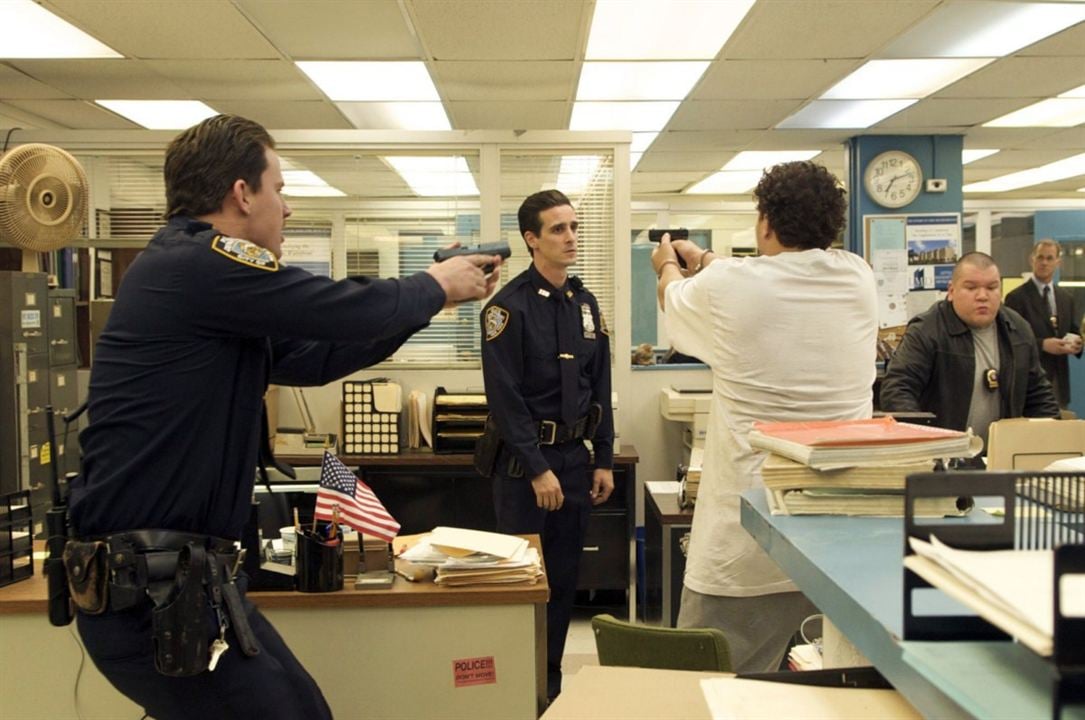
x=562, y=534
x=269, y=686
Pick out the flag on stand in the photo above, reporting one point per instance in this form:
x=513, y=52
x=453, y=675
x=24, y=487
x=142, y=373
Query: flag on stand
x=358, y=505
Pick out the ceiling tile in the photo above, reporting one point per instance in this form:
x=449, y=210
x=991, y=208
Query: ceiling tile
x=334, y=29
x=296, y=115
x=1070, y=41
x=654, y=161
x=679, y=141
x=949, y=113
x=76, y=114
x=816, y=29
x=663, y=182
x=1020, y=77
x=13, y=117
x=768, y=79
x=501, y=30
x=168, y=28
x=246, y=79
x=490, y=81
x=17, y=84
x=731, y=114
x=104, y=79
x=1066, y=138
x=1008, y=161
x=505, y=115
x=801, y=139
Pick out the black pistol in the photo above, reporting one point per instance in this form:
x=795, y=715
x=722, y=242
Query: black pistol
x=497, y=248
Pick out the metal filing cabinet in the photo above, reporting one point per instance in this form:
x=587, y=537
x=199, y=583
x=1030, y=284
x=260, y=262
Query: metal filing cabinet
x=38, y=367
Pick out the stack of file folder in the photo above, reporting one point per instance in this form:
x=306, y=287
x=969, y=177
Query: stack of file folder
x=473, y=557
x=855, y=467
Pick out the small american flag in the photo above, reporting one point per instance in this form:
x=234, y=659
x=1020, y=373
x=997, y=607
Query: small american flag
x=358, y=505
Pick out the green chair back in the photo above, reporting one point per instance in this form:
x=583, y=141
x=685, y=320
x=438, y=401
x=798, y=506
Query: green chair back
x=632, y=645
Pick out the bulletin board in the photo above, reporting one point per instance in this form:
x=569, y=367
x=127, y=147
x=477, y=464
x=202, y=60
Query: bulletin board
x=909, y=253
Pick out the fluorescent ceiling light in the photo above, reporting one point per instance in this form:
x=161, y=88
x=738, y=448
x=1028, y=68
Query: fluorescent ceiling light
x=761, y=159
x=305, y=183
x=375, y=81
x=31, y=31
x=642, y=141
x=727, y=183
x=984, y=28
x=1078, y=92
x=662, y=29
x=621, y=115
x=160, y=114
x=638, y=80
x=1052, y=172
x=1053, y=112
x=435, y=176
x=844, y=113
x=576, y=172
x=886, y=79
x=968, y=156
x=396, y=115
x=634, y=159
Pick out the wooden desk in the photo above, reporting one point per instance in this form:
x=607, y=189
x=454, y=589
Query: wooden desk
x=596, y=692
x=664, y=562
x=374, y=653
x=423, y=490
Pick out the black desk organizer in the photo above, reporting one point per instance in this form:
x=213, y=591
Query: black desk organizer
x=457, y=423
x=1061, y=497
x=16, y=531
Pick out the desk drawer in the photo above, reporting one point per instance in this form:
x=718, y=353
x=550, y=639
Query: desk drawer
x=605, y=561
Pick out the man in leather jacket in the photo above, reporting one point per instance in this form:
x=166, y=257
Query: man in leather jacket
x=968, y=359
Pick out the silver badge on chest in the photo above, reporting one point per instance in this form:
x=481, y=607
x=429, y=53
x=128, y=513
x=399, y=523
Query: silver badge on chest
x=587, y=321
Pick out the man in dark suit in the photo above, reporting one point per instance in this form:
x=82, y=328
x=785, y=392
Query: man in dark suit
x=1050, y=312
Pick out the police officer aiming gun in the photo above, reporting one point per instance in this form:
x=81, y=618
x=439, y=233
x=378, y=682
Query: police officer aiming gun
x=205, y=318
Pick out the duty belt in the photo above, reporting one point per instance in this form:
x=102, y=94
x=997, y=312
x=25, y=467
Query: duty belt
x=552, y=432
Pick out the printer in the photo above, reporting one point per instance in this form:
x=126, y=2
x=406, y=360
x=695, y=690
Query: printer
x=689, y=407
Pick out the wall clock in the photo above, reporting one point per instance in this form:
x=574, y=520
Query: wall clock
x=893, y=179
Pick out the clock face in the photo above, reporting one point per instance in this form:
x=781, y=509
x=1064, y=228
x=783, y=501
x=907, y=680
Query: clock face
x=893, y=179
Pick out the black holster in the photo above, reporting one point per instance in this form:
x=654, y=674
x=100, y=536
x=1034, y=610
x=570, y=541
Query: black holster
x=487, y=448
x=181, y=626
x=595, y=416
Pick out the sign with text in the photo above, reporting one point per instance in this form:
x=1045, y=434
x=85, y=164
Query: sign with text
x=474, y=671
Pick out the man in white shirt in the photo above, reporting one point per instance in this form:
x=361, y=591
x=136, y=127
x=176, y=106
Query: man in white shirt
x=789, y=335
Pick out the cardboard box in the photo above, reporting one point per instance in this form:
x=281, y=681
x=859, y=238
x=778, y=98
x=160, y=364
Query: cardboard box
x=1033, y=443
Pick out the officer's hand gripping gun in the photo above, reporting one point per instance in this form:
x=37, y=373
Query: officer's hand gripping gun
x=497, y=248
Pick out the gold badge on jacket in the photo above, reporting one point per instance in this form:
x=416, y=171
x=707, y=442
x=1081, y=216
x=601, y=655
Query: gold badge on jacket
x=587, y=321
x=496, y=319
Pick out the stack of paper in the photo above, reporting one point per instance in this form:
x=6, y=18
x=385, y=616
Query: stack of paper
x=474, y=557
x=1011, y=589
x=854, y=467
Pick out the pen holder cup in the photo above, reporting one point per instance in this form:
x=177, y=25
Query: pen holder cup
x=319, y=565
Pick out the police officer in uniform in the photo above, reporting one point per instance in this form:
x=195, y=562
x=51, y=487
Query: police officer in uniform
x=546, y=364
x=205, y=318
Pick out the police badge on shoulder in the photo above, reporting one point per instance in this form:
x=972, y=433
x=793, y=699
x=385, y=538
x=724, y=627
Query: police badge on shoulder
x=245, y=252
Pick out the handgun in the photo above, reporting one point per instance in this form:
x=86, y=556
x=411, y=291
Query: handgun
x=497, y=248
x=676, y=234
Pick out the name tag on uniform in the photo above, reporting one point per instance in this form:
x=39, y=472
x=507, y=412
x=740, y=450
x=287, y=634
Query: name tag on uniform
x=587, y=321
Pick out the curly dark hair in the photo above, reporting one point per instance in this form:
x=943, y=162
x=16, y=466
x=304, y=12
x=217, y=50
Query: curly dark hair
x=204, y=161
x=803, y=203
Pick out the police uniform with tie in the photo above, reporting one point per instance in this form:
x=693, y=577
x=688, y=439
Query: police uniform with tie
x=546, y=361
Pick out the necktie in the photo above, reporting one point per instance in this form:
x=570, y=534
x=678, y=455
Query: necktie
x=568, y=324
x=1047, y=303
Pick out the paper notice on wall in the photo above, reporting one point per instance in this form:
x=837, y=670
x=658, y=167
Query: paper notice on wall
x=889, y=258
x=309, y=249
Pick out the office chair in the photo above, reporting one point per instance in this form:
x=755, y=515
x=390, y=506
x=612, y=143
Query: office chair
x=631, y=645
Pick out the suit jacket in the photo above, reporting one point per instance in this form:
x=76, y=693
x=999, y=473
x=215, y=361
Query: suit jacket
x=1028, y=302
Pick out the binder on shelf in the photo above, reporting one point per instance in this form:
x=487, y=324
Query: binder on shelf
x=370, y=417
x=459, y=419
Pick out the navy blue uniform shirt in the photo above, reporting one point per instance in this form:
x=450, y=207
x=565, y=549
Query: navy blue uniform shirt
x=201, y=324
x=521, y=368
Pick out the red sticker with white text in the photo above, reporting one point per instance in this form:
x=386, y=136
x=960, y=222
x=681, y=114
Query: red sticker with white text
x=474, y=671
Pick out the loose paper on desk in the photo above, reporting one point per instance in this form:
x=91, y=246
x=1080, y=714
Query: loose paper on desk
x=1012, y=589
x=736, y=699
x=459, y=542
x=663, y=487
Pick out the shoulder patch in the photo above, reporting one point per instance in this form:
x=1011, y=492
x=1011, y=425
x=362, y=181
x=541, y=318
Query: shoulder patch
x=497, y=319
x=245, y=252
